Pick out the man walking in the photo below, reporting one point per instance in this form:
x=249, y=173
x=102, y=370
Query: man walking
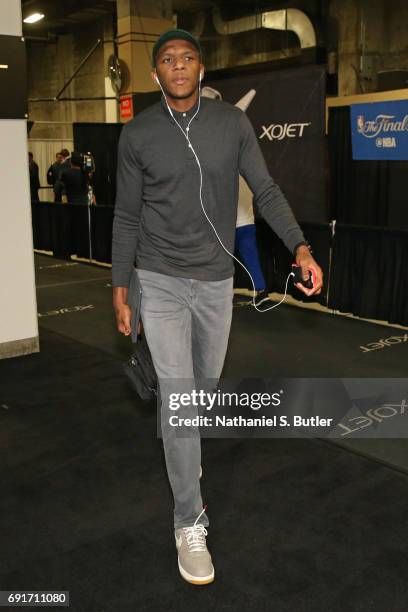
x=177, y=187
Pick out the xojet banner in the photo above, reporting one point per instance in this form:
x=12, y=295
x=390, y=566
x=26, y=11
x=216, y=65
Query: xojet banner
x=379, y=130
x=339, y=408
x=286, y=109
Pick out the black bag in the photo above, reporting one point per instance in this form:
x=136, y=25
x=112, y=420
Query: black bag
x=139, y=368
x=140, y=371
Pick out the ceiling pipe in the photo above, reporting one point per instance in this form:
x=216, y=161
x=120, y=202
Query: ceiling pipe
x=286, y=19
x=88, y=55
x=198, y=26
x=50, y=39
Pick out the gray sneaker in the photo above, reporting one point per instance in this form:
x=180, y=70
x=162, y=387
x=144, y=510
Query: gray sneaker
x=194, y=560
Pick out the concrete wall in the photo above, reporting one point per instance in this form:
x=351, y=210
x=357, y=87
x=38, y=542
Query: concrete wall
x=18, y=321
x=50, y=65
x=372, y=37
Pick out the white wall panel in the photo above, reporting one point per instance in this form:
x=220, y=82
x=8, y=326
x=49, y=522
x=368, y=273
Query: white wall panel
x=18, y=308
x=10, y=18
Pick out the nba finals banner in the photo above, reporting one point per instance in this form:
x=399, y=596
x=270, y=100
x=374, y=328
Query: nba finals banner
x=379, y=130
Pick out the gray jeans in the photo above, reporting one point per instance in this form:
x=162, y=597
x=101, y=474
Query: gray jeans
x=187, y=324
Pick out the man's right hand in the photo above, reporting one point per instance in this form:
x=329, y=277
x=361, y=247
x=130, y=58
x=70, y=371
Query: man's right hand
x=123, y=315
x=123, y=312
x=122, y=309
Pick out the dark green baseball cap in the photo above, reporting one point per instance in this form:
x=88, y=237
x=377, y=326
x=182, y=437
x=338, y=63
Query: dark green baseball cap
x=176, y=34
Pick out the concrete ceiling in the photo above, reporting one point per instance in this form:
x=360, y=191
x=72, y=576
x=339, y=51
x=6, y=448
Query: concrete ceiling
x=64, y=15
x=194, y=6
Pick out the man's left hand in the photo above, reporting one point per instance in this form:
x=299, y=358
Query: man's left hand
x=305, y=260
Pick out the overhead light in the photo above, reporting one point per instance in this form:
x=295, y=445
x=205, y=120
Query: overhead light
x=34, y=18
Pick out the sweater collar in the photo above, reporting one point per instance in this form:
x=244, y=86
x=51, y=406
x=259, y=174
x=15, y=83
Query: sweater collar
x=177, y=114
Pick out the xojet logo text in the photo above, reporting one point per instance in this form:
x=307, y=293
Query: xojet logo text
x=380, y=344
x=65, y=310
x=373, y=417
x=279, y=131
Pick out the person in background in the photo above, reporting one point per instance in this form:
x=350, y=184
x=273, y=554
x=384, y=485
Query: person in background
x=53, y=174
x=34, y=178
x=65, y=165
x=66, y=158
x=74, y=182
x=245, y=241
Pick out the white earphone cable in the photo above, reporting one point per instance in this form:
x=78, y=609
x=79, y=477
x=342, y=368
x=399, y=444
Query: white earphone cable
x=186, y=135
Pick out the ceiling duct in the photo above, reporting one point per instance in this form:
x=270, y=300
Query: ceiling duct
x=198, y=26
x=287, y=20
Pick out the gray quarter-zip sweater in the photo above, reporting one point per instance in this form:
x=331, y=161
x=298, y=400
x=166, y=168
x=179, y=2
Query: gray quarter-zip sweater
x=158, y=223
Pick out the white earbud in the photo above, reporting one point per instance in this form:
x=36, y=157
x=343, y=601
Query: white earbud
x=201, y=76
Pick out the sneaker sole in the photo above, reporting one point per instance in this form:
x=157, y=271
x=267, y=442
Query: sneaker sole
x=198, y=580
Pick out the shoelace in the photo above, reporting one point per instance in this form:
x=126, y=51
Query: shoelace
x=195, y=536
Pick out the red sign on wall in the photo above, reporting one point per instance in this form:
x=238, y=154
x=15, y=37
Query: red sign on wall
x=126, y=108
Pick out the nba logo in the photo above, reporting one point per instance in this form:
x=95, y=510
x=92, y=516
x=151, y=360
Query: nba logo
x=360, y=124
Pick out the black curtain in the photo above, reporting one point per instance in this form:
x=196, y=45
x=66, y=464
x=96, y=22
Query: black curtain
x=101, y=139
x=141, y=101
x=80, y=229
x=101, y=221
x=369, y=273
x=64, y=230
x=363, y=192
x=42, y=226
